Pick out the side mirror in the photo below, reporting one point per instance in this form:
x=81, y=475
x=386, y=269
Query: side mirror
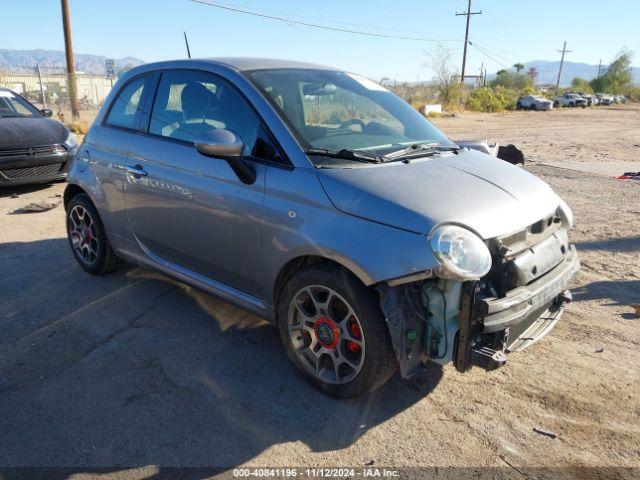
x=47, y=112
x=224, y=144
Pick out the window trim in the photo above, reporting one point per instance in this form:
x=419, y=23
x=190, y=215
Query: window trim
x=138, y=115
x=145, y=120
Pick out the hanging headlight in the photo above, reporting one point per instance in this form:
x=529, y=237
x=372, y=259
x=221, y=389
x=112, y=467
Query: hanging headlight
x=461, y=253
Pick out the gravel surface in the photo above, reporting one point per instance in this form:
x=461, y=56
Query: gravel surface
x=133, y=370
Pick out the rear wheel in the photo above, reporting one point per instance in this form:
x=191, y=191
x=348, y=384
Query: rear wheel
x=556, y=104
x=334, y=332
x=87, y=237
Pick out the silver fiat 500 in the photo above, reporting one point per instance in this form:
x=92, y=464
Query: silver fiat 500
x=322, y=202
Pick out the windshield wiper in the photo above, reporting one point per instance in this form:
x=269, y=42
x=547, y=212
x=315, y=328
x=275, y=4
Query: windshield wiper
x=346, y=154
x=420, y=150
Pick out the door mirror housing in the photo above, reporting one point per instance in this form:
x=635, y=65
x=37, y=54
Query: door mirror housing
x=225, y=144
x=47, y=112
x=219, y=143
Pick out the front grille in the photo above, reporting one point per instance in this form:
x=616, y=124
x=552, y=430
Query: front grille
x=519, y=328
x=40, y=170
x=32, y=152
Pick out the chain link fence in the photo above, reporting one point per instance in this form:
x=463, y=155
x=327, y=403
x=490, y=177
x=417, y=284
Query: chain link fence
x=47, y=87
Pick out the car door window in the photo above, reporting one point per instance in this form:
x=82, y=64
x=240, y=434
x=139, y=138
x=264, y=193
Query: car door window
x=124, y=110
x=190, y=103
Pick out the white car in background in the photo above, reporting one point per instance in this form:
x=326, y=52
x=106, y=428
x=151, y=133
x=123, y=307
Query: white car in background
x=569, y=100
x=533, y=102
x=604, y=98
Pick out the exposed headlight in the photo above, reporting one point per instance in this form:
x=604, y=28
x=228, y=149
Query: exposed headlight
x=461, y=253
x=566, y=212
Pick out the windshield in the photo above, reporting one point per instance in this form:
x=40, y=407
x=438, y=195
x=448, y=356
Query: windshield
x=337, y=111
x=12, y=105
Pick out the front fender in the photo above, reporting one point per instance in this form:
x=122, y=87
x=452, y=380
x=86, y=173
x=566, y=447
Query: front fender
x=299, y=220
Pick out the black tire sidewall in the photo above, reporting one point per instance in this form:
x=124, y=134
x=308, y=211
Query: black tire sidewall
x=364, y=302
x=98, y=266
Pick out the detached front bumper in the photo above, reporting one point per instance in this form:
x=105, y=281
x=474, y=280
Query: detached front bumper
x=491, y=327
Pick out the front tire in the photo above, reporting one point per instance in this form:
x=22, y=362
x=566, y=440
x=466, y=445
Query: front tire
x=87, y=237
x=334, y=331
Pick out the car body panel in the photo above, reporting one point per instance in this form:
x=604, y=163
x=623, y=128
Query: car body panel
x=482, y=193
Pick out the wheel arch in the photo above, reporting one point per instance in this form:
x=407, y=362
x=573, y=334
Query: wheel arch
x=305, y=261
x=71, y=191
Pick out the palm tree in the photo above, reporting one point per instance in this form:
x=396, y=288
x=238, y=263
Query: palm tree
x=518, y=66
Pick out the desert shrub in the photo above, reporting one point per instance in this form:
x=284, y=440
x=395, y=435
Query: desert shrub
x=483, y=99
x=506, y=97
x=79, y=127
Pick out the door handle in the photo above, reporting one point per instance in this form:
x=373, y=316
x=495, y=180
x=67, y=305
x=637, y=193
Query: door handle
x=136, y=170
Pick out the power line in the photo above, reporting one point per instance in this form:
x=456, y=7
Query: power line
x=467, y=14
x=322, y=20
x=481, y=50
x=492, y=51
x=292, y=21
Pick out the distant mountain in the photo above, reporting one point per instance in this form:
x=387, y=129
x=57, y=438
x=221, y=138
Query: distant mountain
x=54, y=60
x=548, y=71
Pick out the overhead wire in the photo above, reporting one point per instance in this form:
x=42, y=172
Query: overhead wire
x=292, y=21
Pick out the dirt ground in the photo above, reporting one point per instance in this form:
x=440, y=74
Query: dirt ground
x=135, y=373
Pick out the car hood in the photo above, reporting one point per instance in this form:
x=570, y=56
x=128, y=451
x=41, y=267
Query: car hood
x=30, y=132
x=483, y=193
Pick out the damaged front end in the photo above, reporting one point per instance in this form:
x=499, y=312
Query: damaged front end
x=478, y=322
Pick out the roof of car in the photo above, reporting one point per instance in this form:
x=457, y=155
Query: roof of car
x=256, y=63
x=239, y=63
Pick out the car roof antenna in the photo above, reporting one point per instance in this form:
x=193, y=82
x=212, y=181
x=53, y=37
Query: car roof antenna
x=186, y=42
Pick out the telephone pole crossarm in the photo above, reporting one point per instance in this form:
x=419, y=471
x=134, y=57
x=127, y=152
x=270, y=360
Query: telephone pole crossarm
x=467, y=14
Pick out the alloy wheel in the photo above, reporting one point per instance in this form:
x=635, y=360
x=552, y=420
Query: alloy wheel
x=326, y=334
x=83, y=234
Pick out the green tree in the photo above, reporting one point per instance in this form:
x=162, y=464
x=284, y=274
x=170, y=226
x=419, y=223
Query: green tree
x=518, y=66
x=508, y=79
x=581, y=85
x=617, y=78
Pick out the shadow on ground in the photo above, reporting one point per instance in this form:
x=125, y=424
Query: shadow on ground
x=8, y=191
x=615, y=292
x=134, y=369
x=629, y=244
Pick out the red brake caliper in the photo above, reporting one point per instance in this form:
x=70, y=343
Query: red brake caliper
x=354, y=329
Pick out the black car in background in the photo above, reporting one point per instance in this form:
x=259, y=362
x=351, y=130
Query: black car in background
x=33, y=147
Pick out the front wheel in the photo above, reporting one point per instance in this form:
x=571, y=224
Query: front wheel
x=334, y=331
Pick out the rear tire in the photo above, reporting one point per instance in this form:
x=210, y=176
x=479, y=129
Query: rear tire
x=334, y=331
x=87, y=237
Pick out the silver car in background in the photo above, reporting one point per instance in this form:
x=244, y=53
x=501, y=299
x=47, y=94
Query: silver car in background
x=533, y=102
x=319, y=200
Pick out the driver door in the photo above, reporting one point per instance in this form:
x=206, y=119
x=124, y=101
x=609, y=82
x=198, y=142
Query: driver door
x=187, y=209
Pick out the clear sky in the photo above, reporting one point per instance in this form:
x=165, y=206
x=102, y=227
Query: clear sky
x=510, y=31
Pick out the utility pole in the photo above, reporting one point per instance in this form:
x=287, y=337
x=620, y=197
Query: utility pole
x=44, y=101
x=564, y=50
x=186, y=42
x=599, y=68
x=71, y=74
x=467, y=14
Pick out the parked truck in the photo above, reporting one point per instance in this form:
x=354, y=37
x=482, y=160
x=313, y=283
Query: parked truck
x=569, y=100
